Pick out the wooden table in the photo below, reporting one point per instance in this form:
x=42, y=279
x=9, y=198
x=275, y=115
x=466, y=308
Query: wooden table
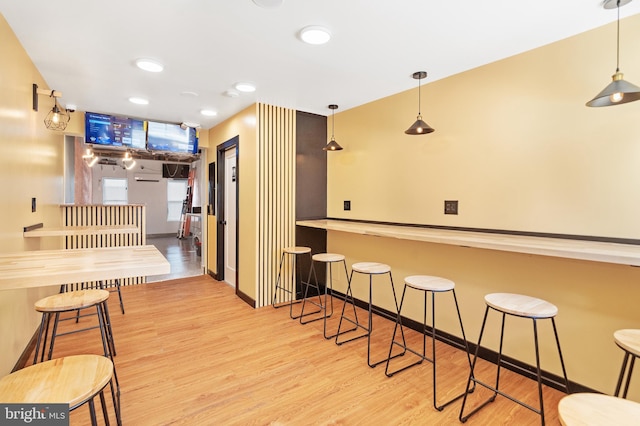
x=54, y=267
x=81, y=230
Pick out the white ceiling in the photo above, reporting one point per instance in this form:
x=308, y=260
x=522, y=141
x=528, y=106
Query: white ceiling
x=86, y=49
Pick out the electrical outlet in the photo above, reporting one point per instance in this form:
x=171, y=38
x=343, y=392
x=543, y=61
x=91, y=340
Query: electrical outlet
x=450, y=207
x=347, y=205
x=33, y=205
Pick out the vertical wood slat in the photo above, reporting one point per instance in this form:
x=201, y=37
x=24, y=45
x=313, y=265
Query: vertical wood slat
x=276, y=198
x=101, y=215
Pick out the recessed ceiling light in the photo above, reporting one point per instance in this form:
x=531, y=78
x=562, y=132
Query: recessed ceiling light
x=138, y=101
x=149, y=65
x=269, y=4
x=231, y=93
x=315, y=34
x=208, y=112
x=245, y=87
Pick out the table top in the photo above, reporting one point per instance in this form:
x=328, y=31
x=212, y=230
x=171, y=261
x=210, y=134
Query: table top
x=71, y=380
x=597, y=410
x=54, y=267
x=624, y=254
x=82, y=230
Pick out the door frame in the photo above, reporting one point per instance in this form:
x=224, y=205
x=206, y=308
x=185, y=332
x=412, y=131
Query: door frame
x=221, y=214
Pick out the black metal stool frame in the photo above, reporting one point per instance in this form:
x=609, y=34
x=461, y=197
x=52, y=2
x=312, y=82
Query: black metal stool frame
x=628, y=356
x=495, y=389
x=292, y=292
x=106, y=334
x=425, y=331
x=369, y=328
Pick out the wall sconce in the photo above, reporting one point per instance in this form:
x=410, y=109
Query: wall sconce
x=419, y=127
x=618, y=91
x=57, y=118
x=90, y=158
x=332, y=145
x=128, y=162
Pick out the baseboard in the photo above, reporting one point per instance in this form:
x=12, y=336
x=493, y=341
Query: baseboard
x=549, y=379
x=212, y=274
x=173, y=234
x=247, y=299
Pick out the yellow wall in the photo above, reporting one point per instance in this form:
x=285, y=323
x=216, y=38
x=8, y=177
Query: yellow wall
x=515, y=144
x=32, y=166
x=243, y=125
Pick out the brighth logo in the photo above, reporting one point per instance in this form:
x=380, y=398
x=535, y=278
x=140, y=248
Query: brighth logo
x=34, y=414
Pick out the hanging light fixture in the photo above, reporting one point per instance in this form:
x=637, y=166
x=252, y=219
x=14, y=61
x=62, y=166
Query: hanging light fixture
x=419, y=127
x=332, y=145
x=618, y=91
x=57, y=118
x=127, y=161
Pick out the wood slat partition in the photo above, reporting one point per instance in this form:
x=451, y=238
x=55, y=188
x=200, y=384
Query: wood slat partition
x=106, y=215
x=276, y=196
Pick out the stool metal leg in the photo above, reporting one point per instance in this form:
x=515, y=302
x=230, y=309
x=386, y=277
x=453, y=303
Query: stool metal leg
x=355, y=321
x=322, y=308
x=293, y=291
x=627, y=357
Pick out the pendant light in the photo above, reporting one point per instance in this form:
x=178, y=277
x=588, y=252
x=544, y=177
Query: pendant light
x=332, y=145
x=419, y=127
x=618, y=91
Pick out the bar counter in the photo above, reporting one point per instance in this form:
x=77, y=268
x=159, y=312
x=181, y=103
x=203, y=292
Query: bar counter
x=596, y=251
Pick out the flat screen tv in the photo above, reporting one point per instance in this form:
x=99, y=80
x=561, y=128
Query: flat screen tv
x=171, y=137
x=99, y=129
x=103, y=129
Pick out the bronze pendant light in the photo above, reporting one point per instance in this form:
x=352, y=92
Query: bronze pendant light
x=618, y=91
x=332, y=145
x=419, y=127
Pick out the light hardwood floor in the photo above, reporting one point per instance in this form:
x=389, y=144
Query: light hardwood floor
x=191, y=353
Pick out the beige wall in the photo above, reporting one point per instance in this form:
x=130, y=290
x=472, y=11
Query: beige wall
x=242, y=125
x=32, y=166
x=515, y=144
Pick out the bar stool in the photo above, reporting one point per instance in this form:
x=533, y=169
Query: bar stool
x=74, y=380
x=594, y=409
x=370, y=269
x=293, y=253
x=427, y=284
x=74, y=301
x=330, y=259
x=523, y=307
x=629, y=341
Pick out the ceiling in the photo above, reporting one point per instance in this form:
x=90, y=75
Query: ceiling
x=86, y=49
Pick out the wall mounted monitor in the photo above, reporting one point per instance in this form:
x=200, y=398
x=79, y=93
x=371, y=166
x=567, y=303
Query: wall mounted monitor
x=171, y=137
x=109, y=130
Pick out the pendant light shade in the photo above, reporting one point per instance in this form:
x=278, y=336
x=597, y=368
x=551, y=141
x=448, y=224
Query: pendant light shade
x=618, y=91
x=419, y=127
x=332, y=145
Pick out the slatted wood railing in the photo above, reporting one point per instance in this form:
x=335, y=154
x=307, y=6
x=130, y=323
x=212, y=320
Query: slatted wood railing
x=106, y=215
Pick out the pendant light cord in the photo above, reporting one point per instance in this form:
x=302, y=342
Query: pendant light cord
x=333, y=123
x=419, y=100
x=618, y=40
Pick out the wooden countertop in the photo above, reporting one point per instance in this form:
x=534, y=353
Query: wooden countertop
x=624, y=254
x=54, y=267
x=596, y=409
x=82, y=230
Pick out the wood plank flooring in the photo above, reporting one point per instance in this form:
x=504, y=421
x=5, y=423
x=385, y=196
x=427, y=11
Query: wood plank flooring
x=189, y=352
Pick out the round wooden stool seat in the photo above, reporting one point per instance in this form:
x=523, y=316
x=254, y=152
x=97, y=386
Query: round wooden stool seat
x=629, y=340
x=71, y=300
x=429, y=283
x=597, y=409
x=70, y=380
x=297, y=250
x=520, y=305
x=328, y=257
x=371, y=268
